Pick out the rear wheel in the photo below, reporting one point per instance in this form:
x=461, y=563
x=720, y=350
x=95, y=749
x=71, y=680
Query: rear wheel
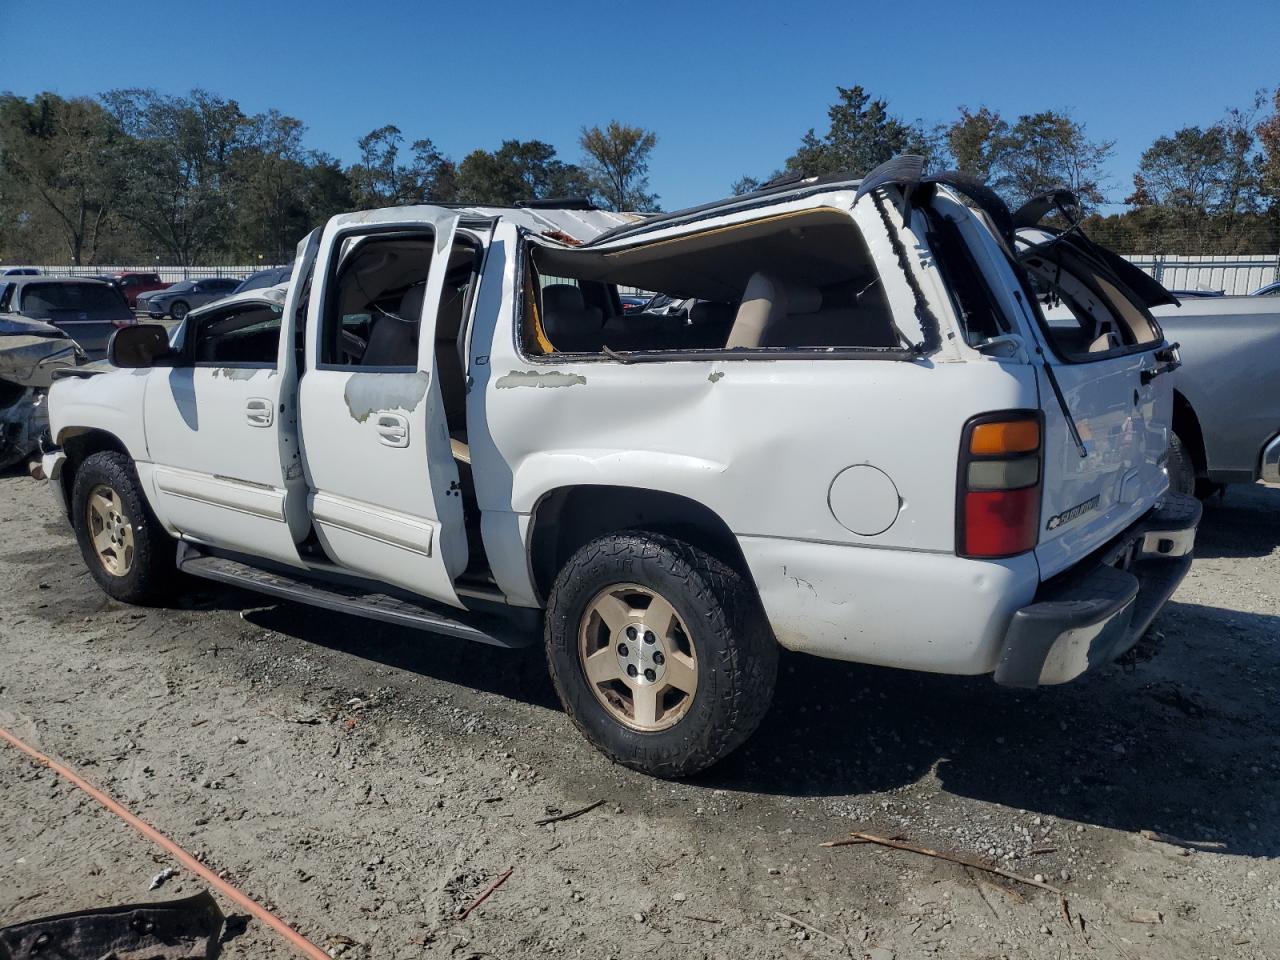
x=123, y=545
x=1182, y=471
x=660, y=653
x=179, y=310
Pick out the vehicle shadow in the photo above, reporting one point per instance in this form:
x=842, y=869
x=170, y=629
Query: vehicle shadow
x=1183, y=743
x=519, y=675
x=1244, y=523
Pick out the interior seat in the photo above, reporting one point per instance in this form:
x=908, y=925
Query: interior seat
x=766, y=304
x=571, y=325
x=393, y=338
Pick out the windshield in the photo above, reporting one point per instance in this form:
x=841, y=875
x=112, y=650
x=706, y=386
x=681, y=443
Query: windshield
x=181, y=286
x=45, y=299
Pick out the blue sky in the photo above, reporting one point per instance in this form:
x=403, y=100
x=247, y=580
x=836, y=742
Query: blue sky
x=729, y=87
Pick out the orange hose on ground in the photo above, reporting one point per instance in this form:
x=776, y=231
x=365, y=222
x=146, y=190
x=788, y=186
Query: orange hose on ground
x=297, y=940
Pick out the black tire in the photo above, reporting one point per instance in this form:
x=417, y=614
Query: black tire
x=1182, y=471
x=179, y=310
x=736, y=653
x=150, y=571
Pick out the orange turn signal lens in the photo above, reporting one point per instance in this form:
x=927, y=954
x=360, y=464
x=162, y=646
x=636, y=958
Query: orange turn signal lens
x=1009, y=436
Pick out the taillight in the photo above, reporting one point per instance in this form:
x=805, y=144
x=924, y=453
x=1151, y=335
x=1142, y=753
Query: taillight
x=998, y=493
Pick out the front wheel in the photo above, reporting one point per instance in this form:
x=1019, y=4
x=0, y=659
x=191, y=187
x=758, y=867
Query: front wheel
x=179, y=310
x=126, y=550
x=659, y=652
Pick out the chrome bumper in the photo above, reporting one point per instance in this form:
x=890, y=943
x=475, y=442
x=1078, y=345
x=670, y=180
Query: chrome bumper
x=1271, y=461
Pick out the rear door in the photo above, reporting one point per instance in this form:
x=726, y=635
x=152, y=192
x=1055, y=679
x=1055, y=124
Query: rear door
x=384, y=497
x=1107, y=404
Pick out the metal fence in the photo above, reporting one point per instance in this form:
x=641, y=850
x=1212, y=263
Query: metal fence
x=1233, y=275
x=167, y=274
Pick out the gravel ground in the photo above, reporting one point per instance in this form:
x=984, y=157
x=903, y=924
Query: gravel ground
x=367, y=782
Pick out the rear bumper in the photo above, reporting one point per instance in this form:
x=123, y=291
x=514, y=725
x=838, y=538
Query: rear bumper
x=1097, y=610
x=1271, y=461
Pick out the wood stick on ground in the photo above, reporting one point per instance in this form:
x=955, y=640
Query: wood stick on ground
x=812, y=929
x=486, y=893
x=951, y=858
x=570, y=815
x=1179, y=842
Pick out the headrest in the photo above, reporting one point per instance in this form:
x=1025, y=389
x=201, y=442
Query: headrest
x=410, y=308
x=788, y=299
x=562, y=298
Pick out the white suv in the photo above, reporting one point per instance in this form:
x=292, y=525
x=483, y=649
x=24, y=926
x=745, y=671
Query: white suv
x=879, y=425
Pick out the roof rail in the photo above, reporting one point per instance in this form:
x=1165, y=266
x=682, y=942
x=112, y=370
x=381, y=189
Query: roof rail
x=557, y=203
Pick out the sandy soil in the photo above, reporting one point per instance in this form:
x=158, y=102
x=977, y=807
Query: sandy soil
x=367, y=782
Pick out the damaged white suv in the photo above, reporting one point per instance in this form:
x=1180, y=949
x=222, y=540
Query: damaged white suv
x=879, y=425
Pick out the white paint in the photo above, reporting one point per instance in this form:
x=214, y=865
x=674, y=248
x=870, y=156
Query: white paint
x=864, y=500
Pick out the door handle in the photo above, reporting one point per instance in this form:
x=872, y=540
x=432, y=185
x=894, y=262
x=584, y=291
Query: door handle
x=258, y=412
x=393, y=429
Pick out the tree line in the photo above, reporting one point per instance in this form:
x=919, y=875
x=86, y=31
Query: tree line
x=133, y=176
x=1197, y=190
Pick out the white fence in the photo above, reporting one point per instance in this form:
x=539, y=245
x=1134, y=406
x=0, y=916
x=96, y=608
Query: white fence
x=1239, y=274
x=1233, y=275
x=167, y=274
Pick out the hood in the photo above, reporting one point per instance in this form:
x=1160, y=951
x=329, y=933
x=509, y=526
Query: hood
x=13, y=324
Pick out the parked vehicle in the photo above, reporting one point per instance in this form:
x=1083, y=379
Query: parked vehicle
x=632, y=303
x=864, y=442
x=88, y=310
x=1226, y=408
x=30, y=351
x=1191, y=294
x=1270, y=290
x=133, y=285
x=265, y=278
x=21, y=272
x=180, y=298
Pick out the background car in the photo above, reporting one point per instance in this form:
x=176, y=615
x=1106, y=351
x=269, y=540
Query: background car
x=21, y=272
x=1270, y=290
x=632, y=303
x=89, y=311
x=266, y=278
x=178, y=300
x=133, y=285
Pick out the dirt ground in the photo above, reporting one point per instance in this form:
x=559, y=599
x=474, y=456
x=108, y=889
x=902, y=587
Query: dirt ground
x=366, y=782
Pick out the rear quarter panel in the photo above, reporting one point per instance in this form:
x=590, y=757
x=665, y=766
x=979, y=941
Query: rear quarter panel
x=1230, y=375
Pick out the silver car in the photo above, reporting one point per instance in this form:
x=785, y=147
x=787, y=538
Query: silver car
x=88, y=311
x=181, y=298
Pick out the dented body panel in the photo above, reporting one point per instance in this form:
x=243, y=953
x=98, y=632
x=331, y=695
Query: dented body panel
x=833, y=472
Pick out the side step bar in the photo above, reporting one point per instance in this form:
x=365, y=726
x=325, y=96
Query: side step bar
x=492, y=629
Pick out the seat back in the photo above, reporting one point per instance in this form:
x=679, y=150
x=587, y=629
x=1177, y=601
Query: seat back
x=766, y=303
x=570, y=325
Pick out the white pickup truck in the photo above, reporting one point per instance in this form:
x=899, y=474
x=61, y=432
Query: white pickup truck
x=860, y=439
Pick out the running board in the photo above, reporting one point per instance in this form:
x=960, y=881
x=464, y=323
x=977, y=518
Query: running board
x=483, y=628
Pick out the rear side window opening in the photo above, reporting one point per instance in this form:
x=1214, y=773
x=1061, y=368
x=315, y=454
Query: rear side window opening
x=797, y=282
x=1085, y=314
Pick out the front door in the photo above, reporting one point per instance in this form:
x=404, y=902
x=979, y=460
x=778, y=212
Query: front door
x=384, y=495
x=218, y=438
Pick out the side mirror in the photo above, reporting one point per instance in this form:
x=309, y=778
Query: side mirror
x=138, y=345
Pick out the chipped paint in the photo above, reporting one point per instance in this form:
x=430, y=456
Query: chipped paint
x=235, y=373
x=368, y=393
x=714, y=377
x=532, y=378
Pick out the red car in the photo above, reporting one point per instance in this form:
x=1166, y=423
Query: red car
x=132, y=284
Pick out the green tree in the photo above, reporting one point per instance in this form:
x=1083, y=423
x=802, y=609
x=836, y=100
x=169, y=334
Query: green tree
x=381, y=179
x=61, y=161
x=1043, y=150
x=179, y=168
x=618, y=164
x=519, y=170
x=861, y=136
x=977, y=142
